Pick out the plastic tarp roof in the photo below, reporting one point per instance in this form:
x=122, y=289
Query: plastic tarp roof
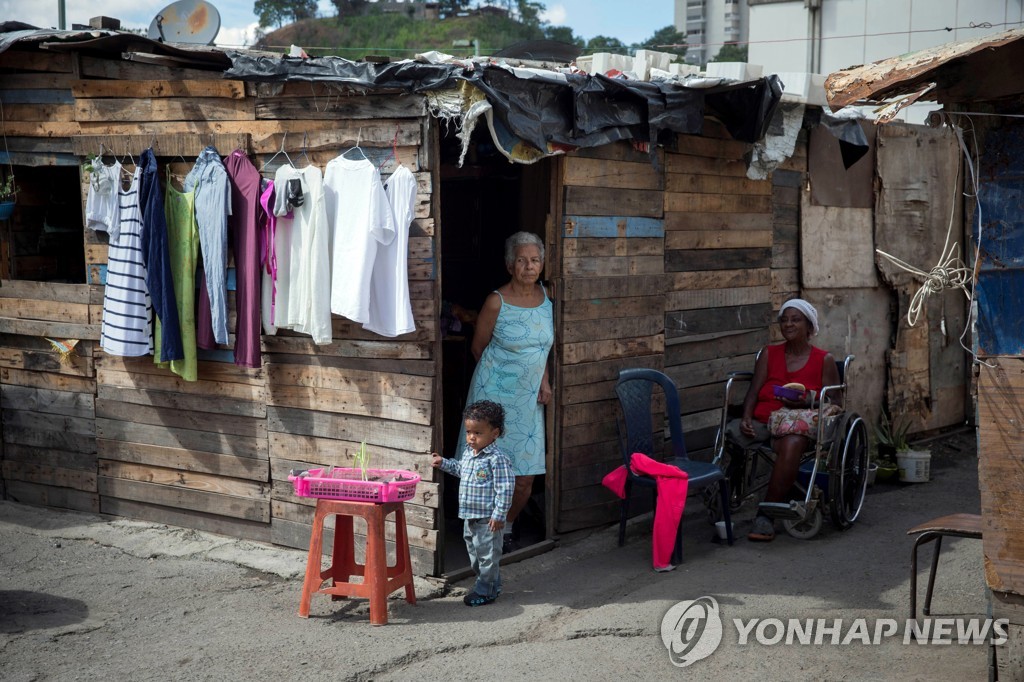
x=549, y=107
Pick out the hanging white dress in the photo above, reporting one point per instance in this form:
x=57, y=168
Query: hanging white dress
x=390, y=307
x=361, y=219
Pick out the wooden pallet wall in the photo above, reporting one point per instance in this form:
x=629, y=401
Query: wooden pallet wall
x=719, y=241
x=48, y=406
x=612, y=303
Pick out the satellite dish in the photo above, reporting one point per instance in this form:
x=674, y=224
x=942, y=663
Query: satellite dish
x=186, y=21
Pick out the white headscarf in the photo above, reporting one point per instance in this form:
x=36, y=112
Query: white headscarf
x=804, y=307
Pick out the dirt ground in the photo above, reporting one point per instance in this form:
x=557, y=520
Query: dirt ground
x=86, y=598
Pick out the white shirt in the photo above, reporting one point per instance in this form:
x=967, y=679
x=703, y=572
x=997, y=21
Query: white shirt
x=390, y=308
x=102, y=205
x=303, y=259
x=361, y=218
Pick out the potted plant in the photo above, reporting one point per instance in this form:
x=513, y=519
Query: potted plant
x=8, y=196
x=912, y=465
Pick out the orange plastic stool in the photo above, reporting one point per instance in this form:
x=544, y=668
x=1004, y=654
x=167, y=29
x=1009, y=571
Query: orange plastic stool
x=379, y=579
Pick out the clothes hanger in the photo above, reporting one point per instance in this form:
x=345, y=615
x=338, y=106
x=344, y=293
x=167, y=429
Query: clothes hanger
x=305, y=138
x=394, y=150
x=278, y=153
x=359, y=138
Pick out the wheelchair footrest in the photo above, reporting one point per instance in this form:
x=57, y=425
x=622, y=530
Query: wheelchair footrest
x=782, y=510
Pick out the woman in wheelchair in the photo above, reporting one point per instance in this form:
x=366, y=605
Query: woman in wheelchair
x=793, y=361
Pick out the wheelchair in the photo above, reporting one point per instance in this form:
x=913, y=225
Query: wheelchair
x=832, y=474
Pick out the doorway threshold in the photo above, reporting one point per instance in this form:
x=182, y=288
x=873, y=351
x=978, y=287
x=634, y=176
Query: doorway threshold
x=533, y=550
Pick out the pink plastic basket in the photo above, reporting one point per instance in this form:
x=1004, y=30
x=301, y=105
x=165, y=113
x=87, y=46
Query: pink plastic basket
x=346, y=484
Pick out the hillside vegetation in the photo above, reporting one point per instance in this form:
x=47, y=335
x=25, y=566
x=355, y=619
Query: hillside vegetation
x=397, y=36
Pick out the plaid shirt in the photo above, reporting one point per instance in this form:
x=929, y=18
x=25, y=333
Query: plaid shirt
x=485, y=490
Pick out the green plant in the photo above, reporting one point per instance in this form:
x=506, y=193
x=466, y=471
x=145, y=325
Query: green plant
x=362, y=459
x=893, y=433
x=8, y=190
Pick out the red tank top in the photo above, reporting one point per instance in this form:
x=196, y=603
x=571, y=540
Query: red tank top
x=809, y=375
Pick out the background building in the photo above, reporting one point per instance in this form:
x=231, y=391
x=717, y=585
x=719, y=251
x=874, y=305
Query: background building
x=709, y=24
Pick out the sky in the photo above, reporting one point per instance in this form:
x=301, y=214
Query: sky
x=629, y=21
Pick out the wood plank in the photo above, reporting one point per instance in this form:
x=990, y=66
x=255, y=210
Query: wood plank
x=704, y=165
x=56, y=440
x=34, y=309
x=47, y=401
x=39, y=81
x=622, y=328
x=583, y=172
x=119, y=69
x=189, y=480
x=64, y=459
x=613, y=287
x=693, y=145
x=675, y=220
x=573, y=353
x=47, y=380
x=45, y=423
x=598, y=227
x=49, y=496
x=742, y=343
x=51, y=329
x=198, y=461
x=606, y=370
x=323, y=377
x=717, y=203
x=608, y=308
x=342, y=107
x=150, y=109
x=709, y=371
x=256, y=531
x=209, y=404
x=175, y=384
x=590, y=201
x=226, y=89
x=716, y=298
x=291, y=354
x=45, y=362
x=42, y=474
x=314, y=450
x=351, y=402
x=369, y=133
x=221, y=425
x=352, y=348
x=636, y=246
x=577, y=518
x=164, y=144
x=721, y=279
x=40, y=112
x=706, y=321
x=188, y=439
x=717, y=259
x=620, y=151
x=706, y=239
x=615, y=266
x=389, y=434
x=183, y=498
x=716, y=184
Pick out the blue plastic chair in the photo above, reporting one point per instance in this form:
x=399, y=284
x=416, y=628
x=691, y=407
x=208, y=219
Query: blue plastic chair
x=636, y=434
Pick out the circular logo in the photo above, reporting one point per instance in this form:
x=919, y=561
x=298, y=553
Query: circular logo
x=691, y=630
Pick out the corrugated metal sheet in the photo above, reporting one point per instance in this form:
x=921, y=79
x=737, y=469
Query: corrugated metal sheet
x=1000, y=286
x=961, y=71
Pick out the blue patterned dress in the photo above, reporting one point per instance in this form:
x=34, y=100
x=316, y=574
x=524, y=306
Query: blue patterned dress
x=509, y=373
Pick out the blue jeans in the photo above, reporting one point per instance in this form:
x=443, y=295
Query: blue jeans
x=484, y=547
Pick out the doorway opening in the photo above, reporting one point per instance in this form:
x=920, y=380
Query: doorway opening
x=483, y=202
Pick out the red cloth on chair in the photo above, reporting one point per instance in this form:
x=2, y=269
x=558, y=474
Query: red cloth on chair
x=671, y=484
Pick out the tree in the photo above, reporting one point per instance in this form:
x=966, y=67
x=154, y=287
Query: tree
x=348, y=8
x=606, y=44
x=277, y=12
x=731, y=53
x=529, y=12
x=666, y=36
x=563, y=34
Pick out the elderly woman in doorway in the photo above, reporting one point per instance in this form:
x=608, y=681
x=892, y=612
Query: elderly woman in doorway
x=793, y=361
x=513, y=336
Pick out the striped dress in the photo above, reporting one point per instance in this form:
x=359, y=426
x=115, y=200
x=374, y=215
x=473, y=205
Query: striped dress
x=127, y=309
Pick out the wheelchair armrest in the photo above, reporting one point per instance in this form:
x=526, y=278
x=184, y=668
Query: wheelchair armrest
x=740, y=376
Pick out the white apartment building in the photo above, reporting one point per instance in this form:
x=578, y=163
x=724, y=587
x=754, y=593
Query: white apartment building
x=709, y=24
x=822, y=36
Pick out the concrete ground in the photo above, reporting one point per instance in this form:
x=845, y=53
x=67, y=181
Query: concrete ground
x=83, y=597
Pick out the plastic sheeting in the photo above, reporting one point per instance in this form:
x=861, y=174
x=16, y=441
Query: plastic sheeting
x=549, y=109
x=1000, y=287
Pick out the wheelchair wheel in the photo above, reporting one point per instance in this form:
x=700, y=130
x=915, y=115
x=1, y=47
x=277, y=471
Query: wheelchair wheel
x=806, y=528
x=848, y=475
